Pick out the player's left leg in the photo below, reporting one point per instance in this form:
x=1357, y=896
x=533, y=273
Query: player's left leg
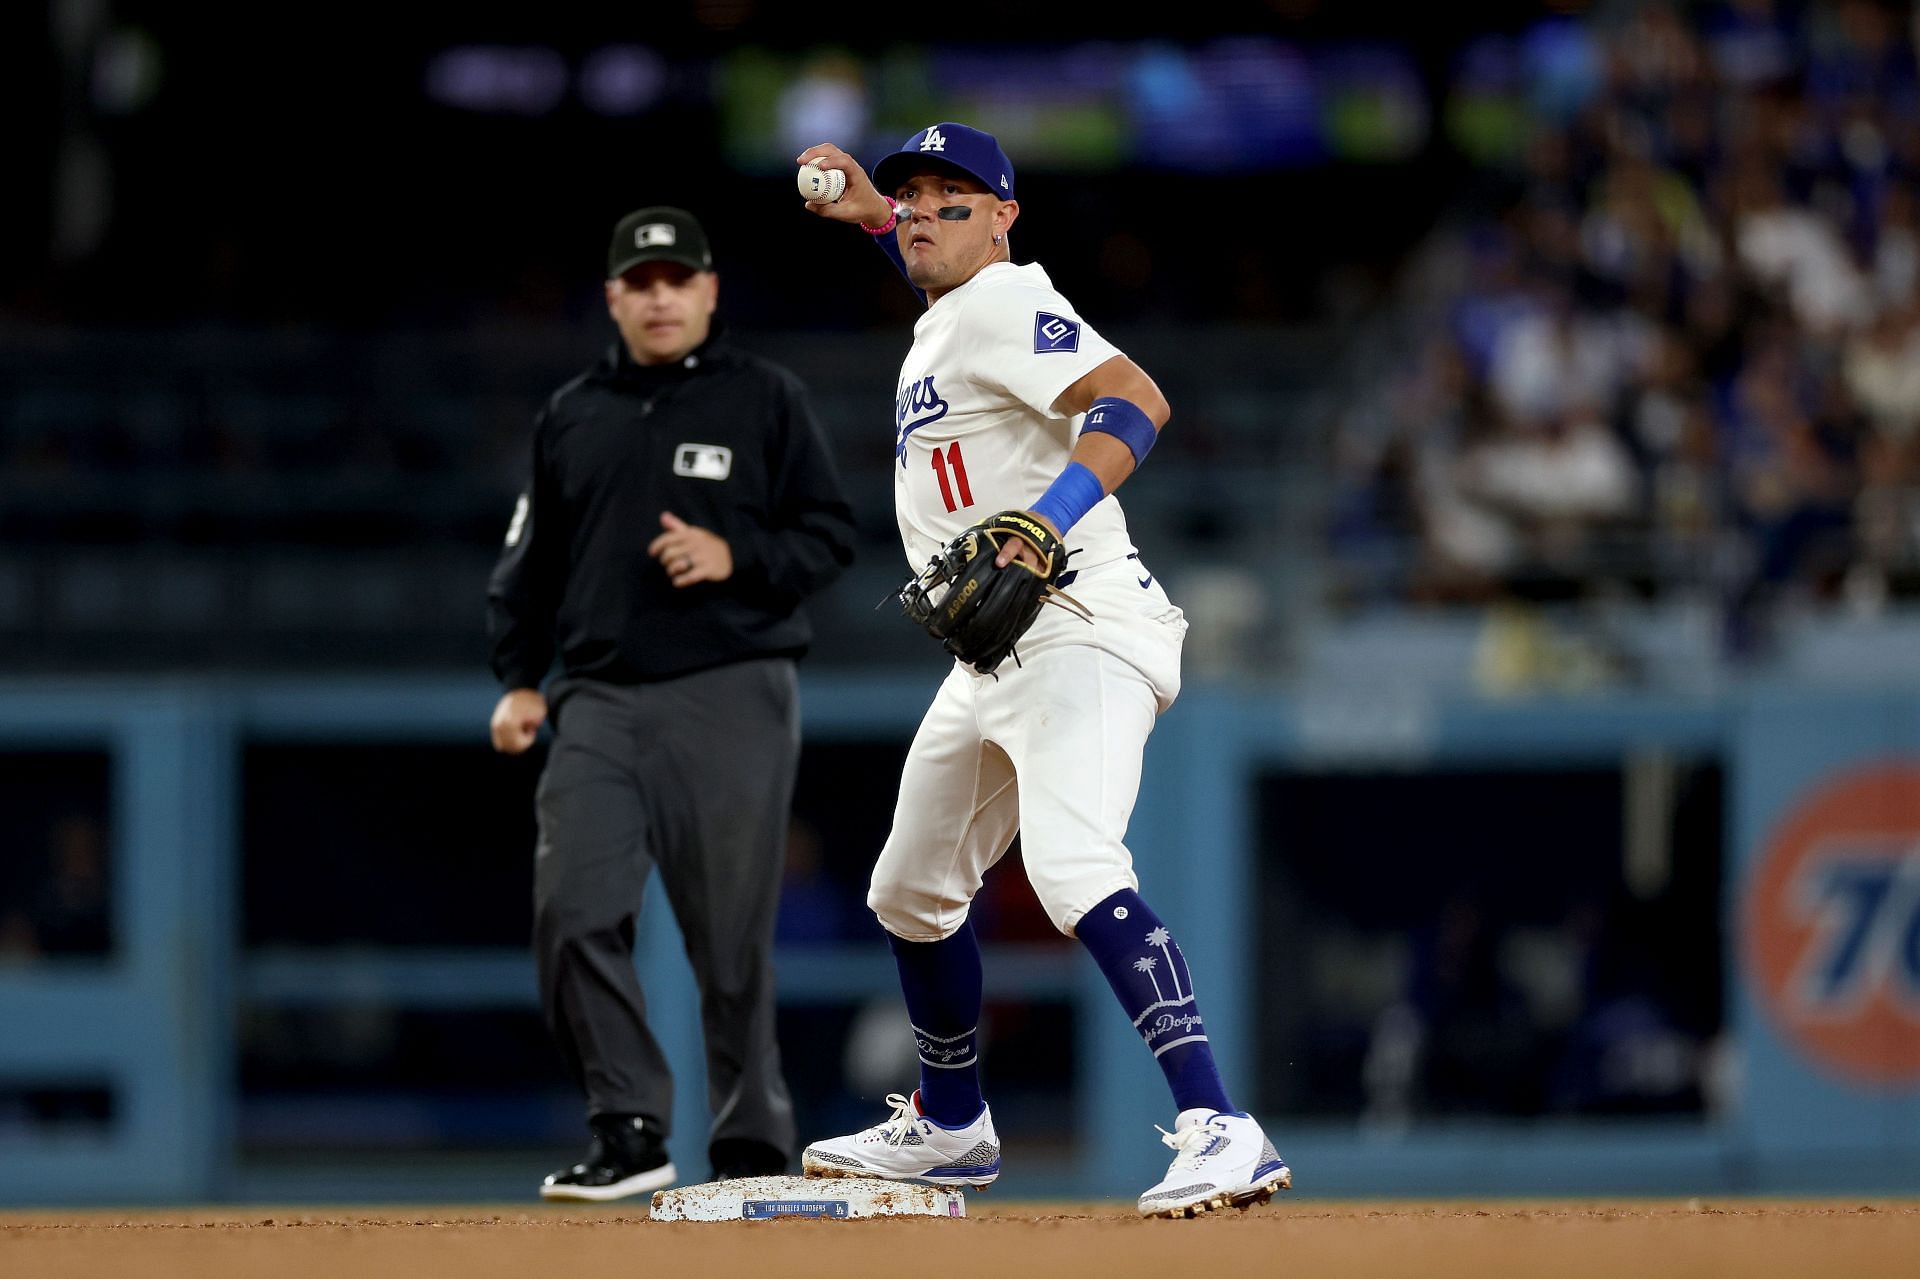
x=1075, y=723
x=1221, y=1157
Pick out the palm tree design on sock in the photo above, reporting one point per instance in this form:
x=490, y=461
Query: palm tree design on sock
x=1146, y=964
x=1164, y=940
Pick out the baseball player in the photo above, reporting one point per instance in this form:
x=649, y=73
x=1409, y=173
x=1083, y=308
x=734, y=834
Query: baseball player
x=1009, y=400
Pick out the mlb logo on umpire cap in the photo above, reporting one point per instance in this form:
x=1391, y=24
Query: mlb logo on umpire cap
x=953, y=146
x=659, y=233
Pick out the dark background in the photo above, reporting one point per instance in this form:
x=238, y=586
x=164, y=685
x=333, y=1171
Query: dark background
x=289, y=169
x=276, y=306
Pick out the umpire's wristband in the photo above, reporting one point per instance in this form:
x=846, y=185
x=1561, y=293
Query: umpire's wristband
x=1069, y=497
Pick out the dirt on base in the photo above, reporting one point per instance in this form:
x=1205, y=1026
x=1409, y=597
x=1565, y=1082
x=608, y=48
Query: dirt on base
x=1751, y=1239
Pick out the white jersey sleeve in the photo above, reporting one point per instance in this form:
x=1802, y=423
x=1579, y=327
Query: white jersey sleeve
x=1032, y=344
x=975, y=426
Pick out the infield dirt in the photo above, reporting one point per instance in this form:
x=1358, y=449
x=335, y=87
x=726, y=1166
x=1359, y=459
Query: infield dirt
x=1752, y=1239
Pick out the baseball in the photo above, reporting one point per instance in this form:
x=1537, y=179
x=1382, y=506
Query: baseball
x=821, y=185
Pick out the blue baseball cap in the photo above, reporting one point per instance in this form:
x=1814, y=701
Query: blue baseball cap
x=957, y=146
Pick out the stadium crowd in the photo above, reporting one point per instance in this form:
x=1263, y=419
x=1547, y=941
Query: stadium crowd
x=1670, y=344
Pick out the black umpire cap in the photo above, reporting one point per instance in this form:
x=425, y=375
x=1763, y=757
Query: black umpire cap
x=658, y=234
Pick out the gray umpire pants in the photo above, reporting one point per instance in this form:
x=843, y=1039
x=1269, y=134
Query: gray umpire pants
x=693, y=775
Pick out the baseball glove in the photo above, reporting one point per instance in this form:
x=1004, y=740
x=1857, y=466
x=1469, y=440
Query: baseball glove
x=985, y=609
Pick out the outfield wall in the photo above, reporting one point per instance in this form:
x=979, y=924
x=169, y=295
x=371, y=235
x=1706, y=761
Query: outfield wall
x=1821, y=920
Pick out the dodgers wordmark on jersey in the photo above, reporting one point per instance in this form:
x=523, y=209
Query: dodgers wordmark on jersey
x=976, y=431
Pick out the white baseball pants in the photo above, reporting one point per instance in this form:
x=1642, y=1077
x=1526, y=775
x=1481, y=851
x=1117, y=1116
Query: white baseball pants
x=1051, y=749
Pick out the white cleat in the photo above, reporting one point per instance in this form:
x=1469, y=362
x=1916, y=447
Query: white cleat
x=1220, y=1160
x=911, y=1147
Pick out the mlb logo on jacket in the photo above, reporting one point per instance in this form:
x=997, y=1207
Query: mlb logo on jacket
x=703, y=461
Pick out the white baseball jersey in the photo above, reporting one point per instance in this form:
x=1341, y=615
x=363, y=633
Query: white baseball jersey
x=1049, y=744
x=976, y=431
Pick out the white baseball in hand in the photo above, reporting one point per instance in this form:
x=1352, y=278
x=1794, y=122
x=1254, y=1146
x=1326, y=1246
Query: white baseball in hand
x=822, y=186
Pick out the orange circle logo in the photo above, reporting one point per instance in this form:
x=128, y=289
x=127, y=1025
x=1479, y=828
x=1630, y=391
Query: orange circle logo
x=1832, y=925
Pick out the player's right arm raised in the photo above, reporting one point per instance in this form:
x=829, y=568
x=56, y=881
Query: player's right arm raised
x=861, y=203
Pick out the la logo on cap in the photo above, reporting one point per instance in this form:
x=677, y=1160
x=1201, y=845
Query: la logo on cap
x=936, y=140
x=654, y=233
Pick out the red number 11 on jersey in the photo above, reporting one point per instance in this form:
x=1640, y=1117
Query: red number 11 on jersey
x=950, y=461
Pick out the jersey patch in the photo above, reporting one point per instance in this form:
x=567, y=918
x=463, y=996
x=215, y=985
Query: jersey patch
x=703, y=461
x=1054, y=333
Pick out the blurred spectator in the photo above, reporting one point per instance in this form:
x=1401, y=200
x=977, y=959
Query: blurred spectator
x=827, y=99
x=1799, y=253
x=1750, y=42
x=1790, y=464
x=1883, y=373
x=1462, y=1040
x=1544, y=489
x=1634, y=200
x=1896, y=246
x=1626, y=1052
x=1688, y=348
x=1482, y=1029
x=1551, y=360
x=66, y=912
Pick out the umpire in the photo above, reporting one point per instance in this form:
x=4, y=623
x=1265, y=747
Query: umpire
x=682, y=504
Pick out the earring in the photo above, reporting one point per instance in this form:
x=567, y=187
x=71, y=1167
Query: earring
x=998, y=238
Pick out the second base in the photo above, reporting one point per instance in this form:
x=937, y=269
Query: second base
x=770, y=1198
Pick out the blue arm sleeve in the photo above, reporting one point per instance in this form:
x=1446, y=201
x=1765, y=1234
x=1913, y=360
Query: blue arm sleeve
x=1070, y=496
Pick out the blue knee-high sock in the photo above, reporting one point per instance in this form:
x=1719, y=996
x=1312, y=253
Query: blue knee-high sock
x=1149, y=974
x=942, y=983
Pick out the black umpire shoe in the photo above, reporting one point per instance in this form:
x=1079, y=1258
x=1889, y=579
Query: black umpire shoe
x=626, y=1158
x=736, y=1157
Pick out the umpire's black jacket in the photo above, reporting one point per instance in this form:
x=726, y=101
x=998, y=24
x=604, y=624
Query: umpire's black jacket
x=724, y=440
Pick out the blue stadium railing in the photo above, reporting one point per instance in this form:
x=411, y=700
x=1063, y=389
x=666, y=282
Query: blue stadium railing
x=157, y=1022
